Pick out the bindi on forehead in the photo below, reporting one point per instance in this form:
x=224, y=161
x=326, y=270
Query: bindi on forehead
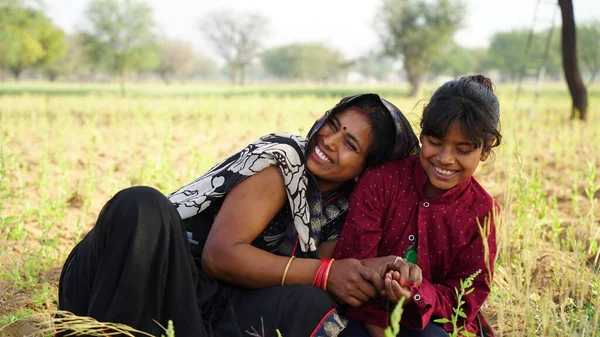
x=344, y=128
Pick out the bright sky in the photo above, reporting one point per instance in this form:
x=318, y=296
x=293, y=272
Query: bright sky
x=345, y=24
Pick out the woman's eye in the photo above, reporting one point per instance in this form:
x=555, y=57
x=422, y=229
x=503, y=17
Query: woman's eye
x=332, y=125
x=350, y=146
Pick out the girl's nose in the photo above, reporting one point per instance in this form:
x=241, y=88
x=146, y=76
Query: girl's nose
x=445, y=156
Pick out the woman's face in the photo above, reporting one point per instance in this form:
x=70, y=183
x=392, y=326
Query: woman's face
x=338, y=151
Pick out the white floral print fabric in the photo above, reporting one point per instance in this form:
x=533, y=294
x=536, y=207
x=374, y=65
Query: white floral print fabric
x=286, y=151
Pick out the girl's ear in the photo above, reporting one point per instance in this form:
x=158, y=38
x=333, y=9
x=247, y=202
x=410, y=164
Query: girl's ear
x=485, y=153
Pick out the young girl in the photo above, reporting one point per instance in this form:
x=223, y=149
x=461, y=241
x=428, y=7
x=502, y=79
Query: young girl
x=426, y=210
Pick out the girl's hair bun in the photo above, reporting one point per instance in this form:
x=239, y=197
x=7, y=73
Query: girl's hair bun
x=486, y=82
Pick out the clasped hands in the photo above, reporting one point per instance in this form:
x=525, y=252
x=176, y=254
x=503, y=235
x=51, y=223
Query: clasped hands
x=355, y=281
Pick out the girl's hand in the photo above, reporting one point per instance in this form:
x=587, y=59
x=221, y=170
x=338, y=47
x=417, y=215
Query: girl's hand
x=409, y=273
x=393, y=289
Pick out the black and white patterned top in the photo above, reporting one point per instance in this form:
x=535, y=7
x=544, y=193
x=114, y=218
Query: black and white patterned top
x=304, y=208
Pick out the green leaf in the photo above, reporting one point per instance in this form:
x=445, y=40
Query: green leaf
x=441, y=320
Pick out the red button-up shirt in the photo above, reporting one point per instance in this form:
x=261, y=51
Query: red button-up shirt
x=389, y=211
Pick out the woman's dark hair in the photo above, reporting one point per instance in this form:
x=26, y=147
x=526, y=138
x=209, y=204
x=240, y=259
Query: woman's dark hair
x=383, y=128
x=471, y=102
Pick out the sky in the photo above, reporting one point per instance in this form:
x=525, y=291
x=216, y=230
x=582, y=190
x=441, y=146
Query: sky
x=344, y=24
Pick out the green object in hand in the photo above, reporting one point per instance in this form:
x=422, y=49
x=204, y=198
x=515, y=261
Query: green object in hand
x=411, y=255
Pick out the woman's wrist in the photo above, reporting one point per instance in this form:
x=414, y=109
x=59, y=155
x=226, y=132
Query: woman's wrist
x=322, y=274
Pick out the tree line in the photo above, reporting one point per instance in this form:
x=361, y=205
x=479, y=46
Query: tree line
x=121, y=37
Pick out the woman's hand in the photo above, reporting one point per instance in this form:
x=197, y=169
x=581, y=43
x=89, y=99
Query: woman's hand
x=380, y=265
x=353, y=283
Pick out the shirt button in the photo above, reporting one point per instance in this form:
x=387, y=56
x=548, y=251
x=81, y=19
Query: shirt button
x=417, y=298
x=411, y=238
x=426, y=204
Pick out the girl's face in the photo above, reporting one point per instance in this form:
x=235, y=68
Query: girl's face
x=338, y=151
x=449, y=161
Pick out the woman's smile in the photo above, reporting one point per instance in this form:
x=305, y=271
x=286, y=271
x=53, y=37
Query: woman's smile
x=320, y=154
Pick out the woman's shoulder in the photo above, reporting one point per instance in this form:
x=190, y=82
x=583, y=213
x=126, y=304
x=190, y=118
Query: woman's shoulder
x=282, y=138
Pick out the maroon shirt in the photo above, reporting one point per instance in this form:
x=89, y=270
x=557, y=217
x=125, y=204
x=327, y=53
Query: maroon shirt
x=389, y=211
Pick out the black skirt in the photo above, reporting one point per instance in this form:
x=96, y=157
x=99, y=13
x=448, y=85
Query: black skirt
x=135, y=267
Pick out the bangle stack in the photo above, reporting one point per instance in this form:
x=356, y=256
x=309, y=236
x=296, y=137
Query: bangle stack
x=322, y=274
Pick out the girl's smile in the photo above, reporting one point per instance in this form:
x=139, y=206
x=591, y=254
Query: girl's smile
x=444, y=174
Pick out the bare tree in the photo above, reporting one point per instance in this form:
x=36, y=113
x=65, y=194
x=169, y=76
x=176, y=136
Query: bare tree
x=570, y=65
x=236, y=37
x=176, y=59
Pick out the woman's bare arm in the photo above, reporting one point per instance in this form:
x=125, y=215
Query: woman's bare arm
x=246, y=211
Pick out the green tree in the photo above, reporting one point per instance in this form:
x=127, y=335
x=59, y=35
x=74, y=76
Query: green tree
x=457, y=61
x=72, y=63
x=53, y=42
x=374, y=65
x=236, y=37
x=27, y=38
x=588, y=36
x=507, y=53
x=303, y=61
x=121, y=36
x=416, y=32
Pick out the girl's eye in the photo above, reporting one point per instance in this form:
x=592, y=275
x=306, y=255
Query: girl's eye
x=464, y=151
x=434, y=141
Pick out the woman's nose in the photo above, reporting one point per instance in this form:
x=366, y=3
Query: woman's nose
x=331, y=141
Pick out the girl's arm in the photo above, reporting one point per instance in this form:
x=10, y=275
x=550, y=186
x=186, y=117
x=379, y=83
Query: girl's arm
x=246, y=211
x=437, y=300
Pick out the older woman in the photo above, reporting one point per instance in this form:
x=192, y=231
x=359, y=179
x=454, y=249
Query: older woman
x=238, y=249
